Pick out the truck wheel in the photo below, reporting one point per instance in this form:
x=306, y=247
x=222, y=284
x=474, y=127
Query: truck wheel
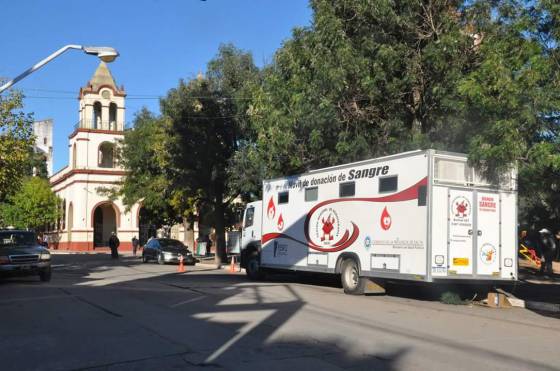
x=253, y=269
x=352, y=283
x=45, y=275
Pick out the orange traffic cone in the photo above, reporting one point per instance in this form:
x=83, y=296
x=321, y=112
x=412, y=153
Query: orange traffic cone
x=181, y=267
x=232, y=265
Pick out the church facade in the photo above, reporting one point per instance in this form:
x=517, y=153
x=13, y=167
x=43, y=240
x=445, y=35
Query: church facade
x=89, y=215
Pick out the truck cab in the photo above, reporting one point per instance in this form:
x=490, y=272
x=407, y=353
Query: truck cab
x=251, y=232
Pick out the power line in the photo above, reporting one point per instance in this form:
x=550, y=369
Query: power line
x=129, y=96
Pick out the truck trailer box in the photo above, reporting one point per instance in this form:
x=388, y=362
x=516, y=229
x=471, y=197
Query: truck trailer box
x=421, y=215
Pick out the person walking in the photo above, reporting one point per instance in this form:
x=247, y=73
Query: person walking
x=135, y=243
x=114, y=245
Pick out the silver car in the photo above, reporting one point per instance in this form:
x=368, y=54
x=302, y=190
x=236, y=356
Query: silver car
x=166, y=250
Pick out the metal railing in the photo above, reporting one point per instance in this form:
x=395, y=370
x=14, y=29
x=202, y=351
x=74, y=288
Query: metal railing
x=100, y=125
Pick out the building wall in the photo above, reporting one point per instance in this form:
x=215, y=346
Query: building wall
x=81, y=191
x=84, y=183
x=43, y=131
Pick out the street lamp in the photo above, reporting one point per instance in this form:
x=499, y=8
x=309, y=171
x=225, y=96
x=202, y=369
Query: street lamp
x=105, y=53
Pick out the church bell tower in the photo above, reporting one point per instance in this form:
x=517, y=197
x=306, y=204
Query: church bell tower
x=101, y=122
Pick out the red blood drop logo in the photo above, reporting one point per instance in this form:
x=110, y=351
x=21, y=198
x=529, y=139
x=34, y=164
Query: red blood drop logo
x=385, y=219
x=280, y=222
x=271, y=210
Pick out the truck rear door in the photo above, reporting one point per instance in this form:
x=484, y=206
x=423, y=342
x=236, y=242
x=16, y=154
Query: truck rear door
x=460, y=231
x=488, y=226
x=474, y=233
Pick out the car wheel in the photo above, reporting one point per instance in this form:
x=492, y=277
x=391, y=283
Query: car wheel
x=160, y=259
x=253, y=269
x=352, y=283
x=45, y=275
x=144, y=258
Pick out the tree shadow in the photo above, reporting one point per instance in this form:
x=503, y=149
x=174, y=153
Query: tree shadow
x=211, y=321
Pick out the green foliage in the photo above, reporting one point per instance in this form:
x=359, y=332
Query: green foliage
x=513, y=95
x=178, y=162
x=366, y=79
x=370, y=78
x=33, y=206
x=148, y=180
x=16, y=137
x=450, y=297
x=36, y=164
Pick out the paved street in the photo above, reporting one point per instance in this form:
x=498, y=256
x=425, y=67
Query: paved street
x=101, y=315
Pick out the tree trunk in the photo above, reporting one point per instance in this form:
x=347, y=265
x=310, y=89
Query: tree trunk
x=188, y=235
x=221, y=255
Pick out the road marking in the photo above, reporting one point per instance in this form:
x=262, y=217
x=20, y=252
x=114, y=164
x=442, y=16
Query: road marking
x=187, y=301
x=256, y=318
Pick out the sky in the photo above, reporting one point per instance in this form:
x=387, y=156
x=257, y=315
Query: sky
x=159, y=41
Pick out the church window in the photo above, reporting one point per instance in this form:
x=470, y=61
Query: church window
x=112, y=116
x=106, y=155
x=97, y=119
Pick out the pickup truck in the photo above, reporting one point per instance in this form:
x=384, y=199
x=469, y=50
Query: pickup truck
x=21, y=255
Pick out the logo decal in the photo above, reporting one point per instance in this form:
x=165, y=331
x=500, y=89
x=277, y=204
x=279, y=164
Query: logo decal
x=487, y=254
x=327, y=226
x=367, y=243
x=386, y=219
x=271, y=210
x=461, y=207
x=344, y=232
x=280, y=223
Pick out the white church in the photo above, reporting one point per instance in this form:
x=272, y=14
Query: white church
x=89, y=216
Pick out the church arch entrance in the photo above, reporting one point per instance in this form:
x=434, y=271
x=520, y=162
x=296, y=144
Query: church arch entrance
x=104, y=223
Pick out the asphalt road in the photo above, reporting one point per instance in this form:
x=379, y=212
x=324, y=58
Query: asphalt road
x=103, y=315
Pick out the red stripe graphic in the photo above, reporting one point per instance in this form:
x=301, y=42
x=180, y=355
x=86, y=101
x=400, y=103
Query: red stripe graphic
x=408, y=194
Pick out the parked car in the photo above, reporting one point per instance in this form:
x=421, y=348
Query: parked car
x=166, y=250
x=21, y=254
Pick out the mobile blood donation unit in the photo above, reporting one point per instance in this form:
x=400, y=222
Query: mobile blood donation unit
x=420, y=216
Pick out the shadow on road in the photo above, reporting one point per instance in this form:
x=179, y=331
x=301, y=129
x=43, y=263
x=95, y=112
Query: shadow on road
x=222, y=322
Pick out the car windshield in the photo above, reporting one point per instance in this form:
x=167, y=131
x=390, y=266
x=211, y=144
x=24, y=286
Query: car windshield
x=168, y=243
x=17, y=238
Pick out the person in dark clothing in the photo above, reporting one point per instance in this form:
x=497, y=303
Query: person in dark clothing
x=135, y=243
x=208, y=244
x=114, y=245
x=545, y=243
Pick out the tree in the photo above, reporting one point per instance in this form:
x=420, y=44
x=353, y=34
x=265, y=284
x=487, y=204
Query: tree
x=514, y=95
x=33, y=206
x=177, y=163
x=147, y=180
x=365, y=79
x=16, y=137
x=369, y=78
x=36, y=164
x=207, y=118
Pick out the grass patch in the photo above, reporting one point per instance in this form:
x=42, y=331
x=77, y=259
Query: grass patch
x=450, y=297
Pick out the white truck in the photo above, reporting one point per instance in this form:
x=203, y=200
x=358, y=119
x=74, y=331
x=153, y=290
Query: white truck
x=420, y=215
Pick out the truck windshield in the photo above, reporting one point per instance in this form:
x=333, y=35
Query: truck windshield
x=249, y=215
x=17, y=238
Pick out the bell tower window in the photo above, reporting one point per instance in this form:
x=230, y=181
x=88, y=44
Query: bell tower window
x=97, y=115
x=112, y=116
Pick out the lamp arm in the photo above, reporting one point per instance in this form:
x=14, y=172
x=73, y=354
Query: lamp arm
x=38, y=65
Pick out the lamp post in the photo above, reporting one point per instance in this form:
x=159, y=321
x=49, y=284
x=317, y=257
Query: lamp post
x=105, y=53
